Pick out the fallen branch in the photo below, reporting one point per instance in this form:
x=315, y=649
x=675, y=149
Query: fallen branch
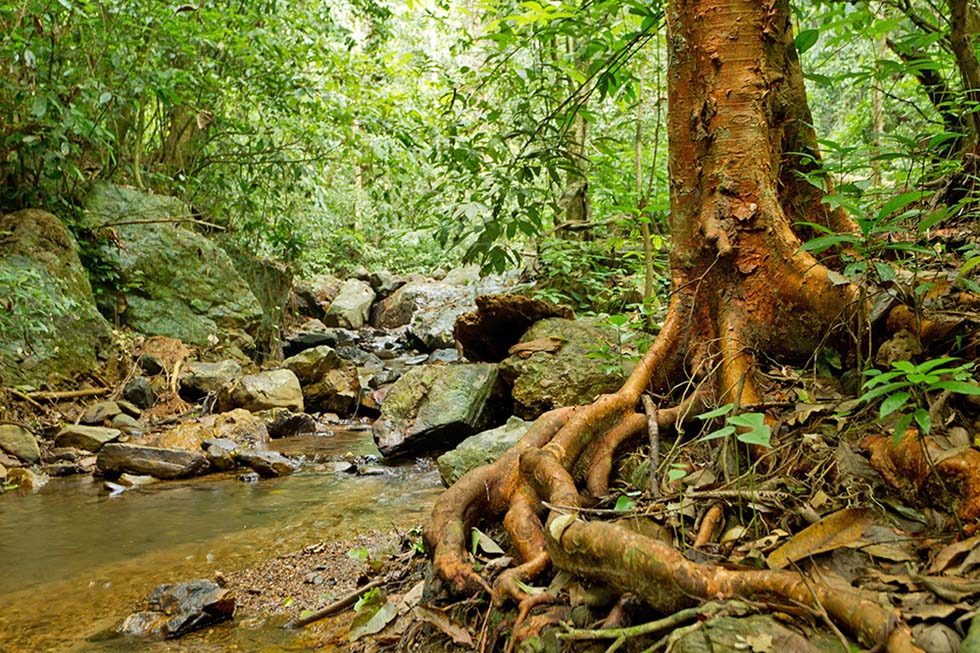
x=671, y=622
x=67, y=394
x=20, y=395
x=339, y=605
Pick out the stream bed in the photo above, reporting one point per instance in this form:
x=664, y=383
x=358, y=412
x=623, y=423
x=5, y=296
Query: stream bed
x=74, y=561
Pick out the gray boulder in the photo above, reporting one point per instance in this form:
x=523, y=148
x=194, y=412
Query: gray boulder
x=255, y=392
x=174, y=610
x=20, y=443
x=480, y=449
x=351, y=308
x=429, y=309
x=116, y=458
x=52, y=328
x=267, y=464
x=222, y=453
x=330, y=383
x=177, y=282
x=98, y=413
x=433, y=408
x=561, y=362
x=140, y=392
x=89, y=438
x=202, y=378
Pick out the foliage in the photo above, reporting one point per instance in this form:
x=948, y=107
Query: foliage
x=748, y=428
x=909, y=390
x=29, y=304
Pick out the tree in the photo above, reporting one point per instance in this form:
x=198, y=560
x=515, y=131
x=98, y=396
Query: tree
x=741, y=150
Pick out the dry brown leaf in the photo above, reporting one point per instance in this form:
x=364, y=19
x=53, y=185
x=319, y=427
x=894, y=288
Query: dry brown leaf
x=438, y=618
x=549, y=345
x=949, y=553
x=833, y=531
x=949, y=588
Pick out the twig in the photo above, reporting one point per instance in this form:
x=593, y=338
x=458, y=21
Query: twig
x=20, y=395
x=339, y=605
x=671, y=622
x=711, y=520
x=203, y=223
x=67, y=394
x=654, y=429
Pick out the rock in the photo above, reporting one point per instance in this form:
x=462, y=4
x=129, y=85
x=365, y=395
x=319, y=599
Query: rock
x=173, y=610
x=26, y=479
x=50, y=324
x=350, y=309
x=310, y=337
x=129, y=408
x=127, y=424
x=384, y=283
x=435, y=407
x=282, y=423
x=89, y=438
x=238, y=425
x=61, y=469
x=480, y=449
x=268, y=464
x=753, y=633
x=384, y=377
x=134, y=480
x=329, y=382
x=115, y=458
x=255, y=392
x=63, y=455
x=176, y=282
x=20, y=442
x=151, y=364
x=248, y=477
x=564, y=373
x=199, y=379
x=140, y=392
x=222, y=453
x=358, y=356
x=9, y=461
x=432, y=324
x=3, y=477
x=98, y=413
x=313, y=296
x=443, y=356
x=498, y=323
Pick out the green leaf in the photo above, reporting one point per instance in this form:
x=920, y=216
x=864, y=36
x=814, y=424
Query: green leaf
x=821, y=243
x=893, y=403
x=959, y=387
x=806, y=39
x=901, y=427
x=900, y=202
x=624, y=504
x=723, y=432
x=888, y=388
x=758, y=432
x=923, y=420
x=717, y=412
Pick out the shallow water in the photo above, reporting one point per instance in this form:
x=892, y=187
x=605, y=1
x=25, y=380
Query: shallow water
x=75, y=561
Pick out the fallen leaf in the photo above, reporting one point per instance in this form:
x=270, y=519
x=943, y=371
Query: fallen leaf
x=950, y=553
x=951, y=589
x=485, y=542
x=548, y=345
x=438, y=618
x=832, y=532
x=375, y=613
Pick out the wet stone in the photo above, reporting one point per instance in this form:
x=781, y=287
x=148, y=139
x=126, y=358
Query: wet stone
x=20, y=442
x=222, y=453
x=173, y=610
x=127, y=424
x=129, y=408
x=100, y=412
x=248, y=477
x=153, y=461
x=27, y=479
x=284, y=423
x=140, y=392
x=89, y=438
x=268, y=464
x=61, y=469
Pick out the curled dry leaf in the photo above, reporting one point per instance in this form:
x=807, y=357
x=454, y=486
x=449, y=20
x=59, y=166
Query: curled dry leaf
x=438, y=618
x=833, y=531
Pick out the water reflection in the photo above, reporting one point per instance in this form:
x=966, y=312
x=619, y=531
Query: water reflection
x=74, y=561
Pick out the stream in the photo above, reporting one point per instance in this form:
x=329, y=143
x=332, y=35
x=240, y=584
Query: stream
x=74, y=561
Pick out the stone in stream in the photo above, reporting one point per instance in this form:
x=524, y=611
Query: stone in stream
x=173, y=610
x=98, y=413
x=222, y=453
x=350, y=309
x=255, y=392
x=282, y=423
x=199, y=379
x=26, y=479
x=140, y=392
x=89, y=438
x=20, y=442
x=329, y=382
x=115, y=458
x=434, y=407
x=127, y=424
x=480, y=449
x=267, y=464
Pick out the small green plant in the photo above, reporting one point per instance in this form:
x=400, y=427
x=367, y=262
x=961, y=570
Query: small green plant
x=910, y=389
x=753, y=425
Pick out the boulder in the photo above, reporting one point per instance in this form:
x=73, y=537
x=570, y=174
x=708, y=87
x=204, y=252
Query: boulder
x=222, y=453
x=311, y=297
x=330, y=383
x=429, y=309
x=127, y=424
x=316, y=334
x=433, y=408
x=555, y=364
x=238, y=425
x=19, y=442
x=52, y=328
x=255, y=392
x=267, y=464
x=498, y=323
x=140, y=392
x=116, y=458
x=480, y=449
x=384, y=283
x=351, y=308
x=98, y=413
x=173, y=610
x=89, y=438
x=201, y=378
x=176, y=282
x=282, y=423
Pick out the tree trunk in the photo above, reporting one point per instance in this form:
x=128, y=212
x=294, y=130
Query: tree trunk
x=737, y=121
